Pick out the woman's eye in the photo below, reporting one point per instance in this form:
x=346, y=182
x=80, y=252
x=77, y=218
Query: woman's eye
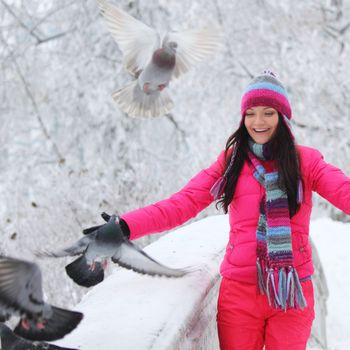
x=249, y=114
x=269, y=113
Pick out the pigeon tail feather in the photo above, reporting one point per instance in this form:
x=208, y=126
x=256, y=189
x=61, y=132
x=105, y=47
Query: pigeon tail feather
x=11, y=341
x=134, y=102
x=56, y=327
x=81, y=273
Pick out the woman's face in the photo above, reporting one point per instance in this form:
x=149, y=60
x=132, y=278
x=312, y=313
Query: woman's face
x=261, y=123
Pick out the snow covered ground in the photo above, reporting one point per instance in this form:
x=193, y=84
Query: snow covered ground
x=141, y=312
x=332, y=240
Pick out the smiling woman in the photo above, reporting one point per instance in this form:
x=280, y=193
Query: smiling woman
x=261, y=123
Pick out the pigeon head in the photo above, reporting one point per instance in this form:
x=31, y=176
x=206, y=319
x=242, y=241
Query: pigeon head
x=172, y=45
x=164, y=58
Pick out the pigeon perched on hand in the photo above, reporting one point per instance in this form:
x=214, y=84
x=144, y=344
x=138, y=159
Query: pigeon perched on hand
x=21, y=294
x=154, y=60
x=10, y=341
x=101, y=243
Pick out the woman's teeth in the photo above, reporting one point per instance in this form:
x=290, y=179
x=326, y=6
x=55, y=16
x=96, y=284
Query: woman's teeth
x=260, y=130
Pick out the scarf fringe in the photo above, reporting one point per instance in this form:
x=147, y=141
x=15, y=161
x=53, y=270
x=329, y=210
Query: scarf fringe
x=261, y=283
x=282, y=288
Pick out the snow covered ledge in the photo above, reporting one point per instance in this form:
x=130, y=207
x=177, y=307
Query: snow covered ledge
x=130, y=311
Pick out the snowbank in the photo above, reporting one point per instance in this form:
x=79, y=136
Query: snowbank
x=130, y=311
x=332, y=240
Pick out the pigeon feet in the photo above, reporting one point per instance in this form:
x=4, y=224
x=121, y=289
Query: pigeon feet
x=104, y=264
x=25, y=324
x=93, y=266
x=146, y=88
x=40, y=325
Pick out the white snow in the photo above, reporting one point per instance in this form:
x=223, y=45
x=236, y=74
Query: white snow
x=332, y=240
x=131, y=311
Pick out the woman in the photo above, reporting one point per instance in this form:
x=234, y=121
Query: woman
x=265, y=183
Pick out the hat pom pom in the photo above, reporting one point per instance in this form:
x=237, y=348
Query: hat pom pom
x=268, y=72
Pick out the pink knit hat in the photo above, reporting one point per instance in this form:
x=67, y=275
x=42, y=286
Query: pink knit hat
x=266, y=90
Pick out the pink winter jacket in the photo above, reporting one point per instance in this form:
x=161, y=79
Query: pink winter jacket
x=240, y=258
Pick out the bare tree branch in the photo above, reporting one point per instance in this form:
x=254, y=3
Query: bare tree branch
x=54, y=37
x=170, y=117
x=316, y=127
x=61, y=159
x=339, y=31
x=20, y=22
x=228, y=43
x=31, y=31
x=48, y=15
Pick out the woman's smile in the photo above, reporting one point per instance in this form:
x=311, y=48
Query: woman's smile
x=261, y=123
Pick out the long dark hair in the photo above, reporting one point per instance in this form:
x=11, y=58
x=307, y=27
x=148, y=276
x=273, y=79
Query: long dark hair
x=283, y=151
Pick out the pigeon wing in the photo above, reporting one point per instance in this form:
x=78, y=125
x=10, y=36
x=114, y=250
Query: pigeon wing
x=133, y=258
x=20, y=285
x=193, y=46
x=135, y=39
x=77, y=248
x=9, y=340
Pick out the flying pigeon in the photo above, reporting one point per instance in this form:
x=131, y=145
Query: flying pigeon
x=21, y=294
x=10, y=341
x=154, y=60
x=101, y=243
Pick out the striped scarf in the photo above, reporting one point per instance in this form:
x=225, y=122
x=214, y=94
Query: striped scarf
x=276, y=274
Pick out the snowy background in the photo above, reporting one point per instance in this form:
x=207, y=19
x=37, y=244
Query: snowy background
x=331, y=239
x=67, y=153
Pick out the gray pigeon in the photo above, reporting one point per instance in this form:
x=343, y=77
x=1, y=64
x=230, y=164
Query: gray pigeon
x=108, y=241
x=21, y=294
x=154, y=60
x=10, y=341
x=4, y=315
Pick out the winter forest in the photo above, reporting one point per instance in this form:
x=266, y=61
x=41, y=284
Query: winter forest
x=68, y=153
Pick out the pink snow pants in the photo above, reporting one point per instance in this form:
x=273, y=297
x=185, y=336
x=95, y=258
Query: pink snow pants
x=246, y=321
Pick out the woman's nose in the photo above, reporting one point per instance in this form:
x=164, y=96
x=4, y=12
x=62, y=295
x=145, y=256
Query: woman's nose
x=258, y=119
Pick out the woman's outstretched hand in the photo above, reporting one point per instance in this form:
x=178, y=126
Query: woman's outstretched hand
x=123, y=225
